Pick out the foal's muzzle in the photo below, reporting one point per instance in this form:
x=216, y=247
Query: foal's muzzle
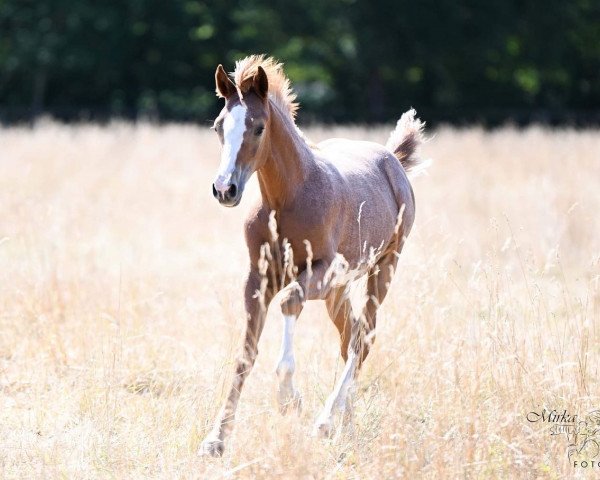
x=228, y=196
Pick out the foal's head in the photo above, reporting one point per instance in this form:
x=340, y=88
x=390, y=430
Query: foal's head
x=241, y=127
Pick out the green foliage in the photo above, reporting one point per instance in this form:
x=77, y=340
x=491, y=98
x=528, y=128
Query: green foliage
x=349, y=60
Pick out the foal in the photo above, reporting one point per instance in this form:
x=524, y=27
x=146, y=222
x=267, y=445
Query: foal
x=340, y=205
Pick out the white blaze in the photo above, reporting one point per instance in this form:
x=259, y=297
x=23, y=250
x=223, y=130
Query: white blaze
x=234, y=127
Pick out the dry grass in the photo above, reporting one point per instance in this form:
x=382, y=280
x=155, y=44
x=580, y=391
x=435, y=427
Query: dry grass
x=121, y=312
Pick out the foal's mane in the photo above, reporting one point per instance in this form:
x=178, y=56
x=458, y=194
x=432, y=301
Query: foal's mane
x=280, y=91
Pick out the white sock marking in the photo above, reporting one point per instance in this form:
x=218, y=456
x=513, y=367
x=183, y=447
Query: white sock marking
x=338, y=398
x=286, y=364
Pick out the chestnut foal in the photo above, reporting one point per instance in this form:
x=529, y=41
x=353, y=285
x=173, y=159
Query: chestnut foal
x=340, y=206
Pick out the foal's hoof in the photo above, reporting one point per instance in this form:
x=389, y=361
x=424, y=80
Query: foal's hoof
x=212, y=447
x=323, y=429
x=290, y=402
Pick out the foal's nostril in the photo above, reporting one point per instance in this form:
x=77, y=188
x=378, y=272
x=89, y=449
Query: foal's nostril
x=232, y=190
x=224, y=193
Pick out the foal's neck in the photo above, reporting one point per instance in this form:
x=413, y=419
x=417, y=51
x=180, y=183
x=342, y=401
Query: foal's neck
x=287, y=163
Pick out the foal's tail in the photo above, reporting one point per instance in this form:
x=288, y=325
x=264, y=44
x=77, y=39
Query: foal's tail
x=404, y=141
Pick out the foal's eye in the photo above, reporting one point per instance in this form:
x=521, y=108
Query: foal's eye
x=259, y=130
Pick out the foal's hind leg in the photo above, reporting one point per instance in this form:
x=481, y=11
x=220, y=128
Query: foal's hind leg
x=340, y=311
x=378, y=284
x=362, y=335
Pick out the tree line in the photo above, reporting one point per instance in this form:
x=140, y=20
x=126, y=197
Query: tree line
x=349, y=60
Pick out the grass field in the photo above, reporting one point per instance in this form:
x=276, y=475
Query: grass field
x=121, y=312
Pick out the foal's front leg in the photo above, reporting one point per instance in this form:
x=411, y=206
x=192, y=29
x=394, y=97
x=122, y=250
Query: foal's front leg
x=287, y=394
x=308, y=286
x=256, y=309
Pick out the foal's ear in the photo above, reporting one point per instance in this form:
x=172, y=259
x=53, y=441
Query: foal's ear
x=260, y=83
x=225, y=87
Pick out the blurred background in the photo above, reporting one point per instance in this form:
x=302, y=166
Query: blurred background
x=121, y=311
x=350, y=61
